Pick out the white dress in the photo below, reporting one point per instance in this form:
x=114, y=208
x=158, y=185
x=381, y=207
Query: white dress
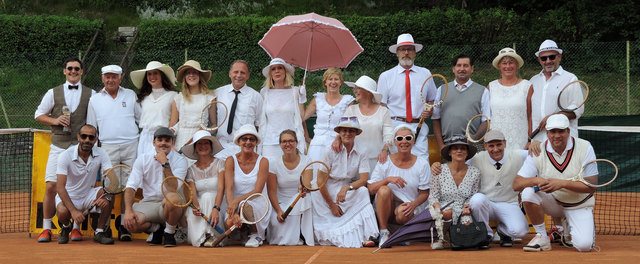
x=281, y=110
x=156, y=112
x=244, y=183
x=328, y=117
x=189, y=116
x=376, y=131
x=207, y=188
x=509, y=112
x=445, y=190
x=299, y=220
x=417, y=178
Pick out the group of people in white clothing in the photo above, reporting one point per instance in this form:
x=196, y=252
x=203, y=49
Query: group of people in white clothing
x=380, y=174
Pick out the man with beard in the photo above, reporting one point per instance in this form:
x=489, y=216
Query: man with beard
x=148, y=172
x=77, y=170
x=451, y=118
x=400, y=88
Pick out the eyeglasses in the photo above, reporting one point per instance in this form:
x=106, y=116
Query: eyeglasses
x=407, y=138
x=349, y=118
x=403, y=49
x=250, y=139
x=73, y=68
x=290, y=141
x=550, y=57
x=85, y=136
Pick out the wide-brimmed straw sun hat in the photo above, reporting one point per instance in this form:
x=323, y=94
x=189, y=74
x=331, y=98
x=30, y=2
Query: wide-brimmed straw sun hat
x=190, y=149
x=403, y=40
x=458, y=140
x=191, y=64
x=348, y=122
x=548, y=45
x=247, y=129
x=510, y=53
x=365, y=82
x=275, y=61
x=138, y=76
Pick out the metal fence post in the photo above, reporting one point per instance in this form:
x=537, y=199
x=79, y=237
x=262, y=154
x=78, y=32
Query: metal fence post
x=185, y=55
x=628, y=81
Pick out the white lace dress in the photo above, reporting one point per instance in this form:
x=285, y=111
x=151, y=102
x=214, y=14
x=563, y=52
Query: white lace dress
x=509, y=112
x=207, y=188
x=328, y=117
x=189, y=116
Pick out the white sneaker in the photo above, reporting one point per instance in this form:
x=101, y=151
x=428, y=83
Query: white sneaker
x=254, y=241
x=150, y=237
x=538, y=243
x=384, y=236
x=181, y=235
x=437, y=245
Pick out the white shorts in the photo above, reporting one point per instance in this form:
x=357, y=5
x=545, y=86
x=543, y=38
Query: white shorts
x=52, y=164
x=122, y=154
x=84, y=203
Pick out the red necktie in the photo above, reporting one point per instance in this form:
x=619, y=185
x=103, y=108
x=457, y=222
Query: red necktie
x=407, y=90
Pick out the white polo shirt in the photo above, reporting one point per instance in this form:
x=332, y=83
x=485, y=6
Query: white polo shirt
x=115, y=118
x=248, y=110
x=147, y=174
x=81, y=176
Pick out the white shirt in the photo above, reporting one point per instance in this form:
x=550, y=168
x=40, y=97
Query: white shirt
x=417, y=178
x=529, y=169
x=147, y=174
x=81, y=176
x=484, y=101
x=391, y=84
x=71, y=98
x=115, y=118
x=248, y=110
x=345, y=166
x=544, y=100
x=156, y=111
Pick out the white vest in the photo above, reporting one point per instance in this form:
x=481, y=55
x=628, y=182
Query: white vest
x=496, y=184
x=565, y=166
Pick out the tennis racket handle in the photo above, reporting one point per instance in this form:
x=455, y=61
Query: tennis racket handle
x=288, y=211
x=534, y=133
x=225, y=234
x=536, y=188
x=419, y=126
x=86, y=212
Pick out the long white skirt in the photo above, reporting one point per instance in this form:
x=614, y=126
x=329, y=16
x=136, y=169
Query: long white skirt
x=298, y=222
x=198, y=227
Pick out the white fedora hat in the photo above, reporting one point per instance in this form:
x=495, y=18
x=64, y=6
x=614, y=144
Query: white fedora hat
x=348, y=122
x=247, y=129
x=191, y=64
x=190, y=149
x=275, y=61
x=365, y=82
x=403, y=40
x=138, y=76
x=510, y=53
x=548, y=45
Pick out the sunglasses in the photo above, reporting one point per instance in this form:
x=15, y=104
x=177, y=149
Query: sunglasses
x=73, y=68
x=349, y=118
x=407, y=138
x=508, y=50
x=250, y=139
x=550, y=57
x=290, y=141
x=85, y=136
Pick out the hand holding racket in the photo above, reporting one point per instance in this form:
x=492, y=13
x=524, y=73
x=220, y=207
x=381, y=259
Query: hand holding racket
x=571, y=97
x=477, y=129
x=111, y=183
x=316, y=169
x=209, y=116
x=439, y=81
x=178, y=197
x=251, y=211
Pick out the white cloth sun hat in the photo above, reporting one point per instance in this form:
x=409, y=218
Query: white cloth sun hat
x=275, y=61
x=548, y=45
x=557, y=121
x=112, y=69
x=403, y=40
x=510, y=53
x=246, y=129
x=365, y=82
x=138, y=76
x=190, y=149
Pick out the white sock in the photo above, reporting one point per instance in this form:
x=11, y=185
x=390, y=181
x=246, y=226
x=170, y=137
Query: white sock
x=98, y=230
x=540, y=229
x=383, y=230
x=76, y=226
x=154, y=227
x=46, y=223
x=169, y=229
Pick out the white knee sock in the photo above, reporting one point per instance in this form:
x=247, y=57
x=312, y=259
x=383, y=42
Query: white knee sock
x=540, y=229
x=46, y=223
x=169, y=229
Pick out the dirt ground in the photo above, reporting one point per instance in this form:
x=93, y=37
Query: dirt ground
x=19, y=248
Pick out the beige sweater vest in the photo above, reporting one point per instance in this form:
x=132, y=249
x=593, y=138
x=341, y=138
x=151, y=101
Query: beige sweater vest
x=496, y=184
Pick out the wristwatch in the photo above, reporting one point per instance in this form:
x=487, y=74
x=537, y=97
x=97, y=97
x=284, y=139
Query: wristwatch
x=350, y=187
x=216, y=207
x=166, y=164
x=108, y=198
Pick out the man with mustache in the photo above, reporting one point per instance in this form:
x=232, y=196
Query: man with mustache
x=400, y=88
x=77, y=170
x=153, y=213
x=467, y=99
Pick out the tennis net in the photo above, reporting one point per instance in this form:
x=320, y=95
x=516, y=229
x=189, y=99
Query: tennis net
x=16, y=146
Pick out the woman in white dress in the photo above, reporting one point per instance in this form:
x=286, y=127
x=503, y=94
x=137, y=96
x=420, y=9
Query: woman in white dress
x=186, y=107
x=282, y=107
x=283, y=186
x=246, y=173
x=375, y=121
x=342, y=212
x=206, y=179
x=509, y=99
x=156, y=84
x=328, y=107
x=401, y=184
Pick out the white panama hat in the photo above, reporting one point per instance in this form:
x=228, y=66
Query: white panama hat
x=246, y=129
x=548, y=45
x=507, y=52
x=403, y=40
x=275, y=61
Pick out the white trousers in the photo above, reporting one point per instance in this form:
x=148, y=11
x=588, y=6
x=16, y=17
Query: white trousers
x=512, y=221
x=580, y=220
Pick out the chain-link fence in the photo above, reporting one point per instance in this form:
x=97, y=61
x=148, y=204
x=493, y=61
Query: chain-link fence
x=610, y=68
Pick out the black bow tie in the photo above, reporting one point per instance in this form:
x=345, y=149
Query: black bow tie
x=498, y=165
x=71, y=87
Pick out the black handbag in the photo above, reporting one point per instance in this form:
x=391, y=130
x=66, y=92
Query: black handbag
x=468, y=236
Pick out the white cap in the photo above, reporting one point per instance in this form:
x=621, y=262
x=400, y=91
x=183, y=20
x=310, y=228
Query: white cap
x=112, y=69
x=557, y=121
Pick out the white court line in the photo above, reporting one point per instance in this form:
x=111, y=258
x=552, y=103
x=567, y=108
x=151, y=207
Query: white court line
x=312, y=258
